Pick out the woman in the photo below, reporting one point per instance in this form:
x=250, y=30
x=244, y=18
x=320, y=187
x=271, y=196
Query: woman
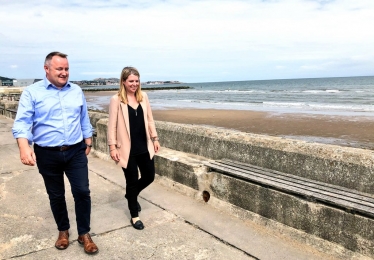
x=132, y=138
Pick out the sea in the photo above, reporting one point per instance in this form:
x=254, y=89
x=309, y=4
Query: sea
x=351, y=96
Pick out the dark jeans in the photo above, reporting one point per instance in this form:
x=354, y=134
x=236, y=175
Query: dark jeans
x=134, y=185
x=52, y=165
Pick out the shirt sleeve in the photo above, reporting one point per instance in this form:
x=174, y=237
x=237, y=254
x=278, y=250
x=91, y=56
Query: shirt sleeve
x=85, y=120
x=113, y=120
x=24, y=119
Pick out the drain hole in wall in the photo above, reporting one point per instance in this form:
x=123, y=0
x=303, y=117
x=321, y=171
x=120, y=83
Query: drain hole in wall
x=206, y=196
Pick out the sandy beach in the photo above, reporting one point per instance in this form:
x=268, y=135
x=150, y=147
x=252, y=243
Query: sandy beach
x=340, y=130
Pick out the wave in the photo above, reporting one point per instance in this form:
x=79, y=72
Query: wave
x=327, y=107
x=317, y=91
x=193, y=91
x=285, y=104
x=253, y=91
x=273, y=106
x=360, y=108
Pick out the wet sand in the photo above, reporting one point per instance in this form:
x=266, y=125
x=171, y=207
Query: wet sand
x=340, y=130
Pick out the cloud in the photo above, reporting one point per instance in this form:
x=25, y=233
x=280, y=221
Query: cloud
x=190, y=39
x=13, y=66
x=80, y=4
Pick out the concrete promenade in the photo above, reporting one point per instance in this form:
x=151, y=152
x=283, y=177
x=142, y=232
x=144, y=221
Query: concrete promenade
x=176, y=226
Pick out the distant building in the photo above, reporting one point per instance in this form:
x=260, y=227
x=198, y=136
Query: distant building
x=162, y=82
x=24, y=82
x=6, y=81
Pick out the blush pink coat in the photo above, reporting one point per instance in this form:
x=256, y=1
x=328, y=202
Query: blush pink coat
x=119, y=128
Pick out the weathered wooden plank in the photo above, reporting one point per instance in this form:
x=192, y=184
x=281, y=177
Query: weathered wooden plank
x=240, y=164
x=300, y=191
x=341, y=191
x=299, y=186
x=304, y=185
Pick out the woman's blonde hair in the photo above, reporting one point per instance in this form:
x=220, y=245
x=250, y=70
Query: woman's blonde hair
x=122, y=93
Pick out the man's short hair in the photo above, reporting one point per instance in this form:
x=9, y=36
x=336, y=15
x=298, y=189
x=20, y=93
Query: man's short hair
x=51, y=55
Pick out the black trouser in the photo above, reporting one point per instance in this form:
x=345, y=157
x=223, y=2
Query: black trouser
x=134, y=185
x=52, y=165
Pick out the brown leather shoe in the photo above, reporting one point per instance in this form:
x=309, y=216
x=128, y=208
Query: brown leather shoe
x=62, y=240
x=89, y=245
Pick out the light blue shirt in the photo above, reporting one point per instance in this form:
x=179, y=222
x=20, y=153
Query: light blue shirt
x=49, y=116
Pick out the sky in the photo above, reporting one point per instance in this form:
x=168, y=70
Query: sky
x=190, y=41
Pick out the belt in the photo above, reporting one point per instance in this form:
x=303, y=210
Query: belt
x=57, y=148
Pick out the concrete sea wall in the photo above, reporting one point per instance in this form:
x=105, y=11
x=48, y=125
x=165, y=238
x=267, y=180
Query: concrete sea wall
x=8, y=108
x=343, y=166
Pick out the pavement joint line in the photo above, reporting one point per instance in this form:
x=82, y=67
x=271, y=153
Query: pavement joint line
x=221, y=240
x=6, y=172
x=108, y=231
x=155, y=250
x=29, y=253
x=103, y=177
x=149, y=201
x=12, y=144
x=124, y=189
x=16, y=171
x=203, y=230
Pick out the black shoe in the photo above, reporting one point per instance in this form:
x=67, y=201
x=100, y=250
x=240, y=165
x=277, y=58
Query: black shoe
x=138, y=224
x=139, y=208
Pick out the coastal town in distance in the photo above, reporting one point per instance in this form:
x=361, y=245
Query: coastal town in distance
x=11, y=82
x=115, y=81
x=11, y=88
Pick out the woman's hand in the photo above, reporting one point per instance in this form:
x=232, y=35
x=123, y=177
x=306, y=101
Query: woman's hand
x=156, y=145
x=114, y=154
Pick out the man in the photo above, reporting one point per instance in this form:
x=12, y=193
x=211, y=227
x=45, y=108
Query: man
x=52, y=114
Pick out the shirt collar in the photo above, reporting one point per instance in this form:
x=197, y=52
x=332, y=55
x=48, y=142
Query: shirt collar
x=47, y=84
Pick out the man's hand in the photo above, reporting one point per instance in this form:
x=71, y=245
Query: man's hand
x=88, y=142
x=26, y=154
